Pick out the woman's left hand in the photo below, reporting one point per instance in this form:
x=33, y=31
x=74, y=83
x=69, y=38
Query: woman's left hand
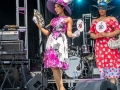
x=104, y=34
x=76, y=34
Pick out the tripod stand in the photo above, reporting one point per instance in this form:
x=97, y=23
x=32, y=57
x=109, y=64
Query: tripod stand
x=11, y=71
x=6, y=72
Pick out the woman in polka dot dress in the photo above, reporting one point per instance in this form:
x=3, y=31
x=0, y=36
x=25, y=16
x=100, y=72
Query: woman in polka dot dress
x=102, y=29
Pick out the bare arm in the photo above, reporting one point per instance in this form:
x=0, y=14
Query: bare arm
x=114, y=33
x=93, y=35
x=43, y=30
x=69, y=26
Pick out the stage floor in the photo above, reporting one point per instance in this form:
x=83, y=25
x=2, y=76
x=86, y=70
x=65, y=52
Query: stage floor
x=71, y=83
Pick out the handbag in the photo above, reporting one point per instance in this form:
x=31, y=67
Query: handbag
x=114, y=44
x=39, y=18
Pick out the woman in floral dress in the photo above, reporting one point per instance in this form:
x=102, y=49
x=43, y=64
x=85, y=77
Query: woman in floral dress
x=103, y=28
x=56, y=54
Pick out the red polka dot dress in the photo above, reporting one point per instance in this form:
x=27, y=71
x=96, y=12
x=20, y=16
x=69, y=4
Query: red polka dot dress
x=107, y=60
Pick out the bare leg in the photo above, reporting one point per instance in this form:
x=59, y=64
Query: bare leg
x=58, y=78
x=56, y=84
x=113, y=80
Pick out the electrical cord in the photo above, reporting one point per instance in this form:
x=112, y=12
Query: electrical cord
x=22, y=67
x=41, y=56
x=1, y=32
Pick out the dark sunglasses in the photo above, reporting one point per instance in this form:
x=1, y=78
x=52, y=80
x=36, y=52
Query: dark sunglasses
x=102, y=8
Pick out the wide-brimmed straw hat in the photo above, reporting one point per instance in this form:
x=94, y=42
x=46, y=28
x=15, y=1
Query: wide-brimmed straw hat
x=102, y=3
x=64, y=3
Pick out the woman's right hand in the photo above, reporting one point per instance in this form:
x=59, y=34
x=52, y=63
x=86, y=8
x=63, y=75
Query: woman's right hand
x=44, y=31
x=99, y=35
x=36, y=22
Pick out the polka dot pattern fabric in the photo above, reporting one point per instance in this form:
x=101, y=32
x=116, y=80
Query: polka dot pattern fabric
x=107, y=60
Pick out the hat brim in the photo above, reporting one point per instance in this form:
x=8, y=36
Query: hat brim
x=108, y=7
x=94, y=8
x=51, y=7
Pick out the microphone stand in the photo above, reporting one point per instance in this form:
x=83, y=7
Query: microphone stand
x=40, y=58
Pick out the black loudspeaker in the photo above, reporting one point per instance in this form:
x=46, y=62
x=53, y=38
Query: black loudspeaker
x=95, y=84
x=39, y=82
x=11, y=45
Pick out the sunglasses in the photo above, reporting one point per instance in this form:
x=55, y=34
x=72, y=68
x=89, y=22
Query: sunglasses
x=102, y=8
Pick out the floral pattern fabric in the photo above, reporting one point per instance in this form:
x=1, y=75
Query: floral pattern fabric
x=56, y=54
x=107, y=60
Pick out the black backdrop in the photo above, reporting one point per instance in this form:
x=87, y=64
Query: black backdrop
x=33, y=32
x=7, y=12
x=8, y=17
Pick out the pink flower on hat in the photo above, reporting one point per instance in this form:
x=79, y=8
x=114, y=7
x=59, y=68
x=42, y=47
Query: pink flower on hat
x=62, y=2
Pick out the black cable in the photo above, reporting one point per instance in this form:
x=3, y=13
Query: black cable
x=1, y=39
x=1, y=32
x=41, y=61
x=16, y=59
x=21, y=53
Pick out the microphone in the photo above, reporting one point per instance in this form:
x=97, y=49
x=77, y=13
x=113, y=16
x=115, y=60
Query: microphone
x=47, y=26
